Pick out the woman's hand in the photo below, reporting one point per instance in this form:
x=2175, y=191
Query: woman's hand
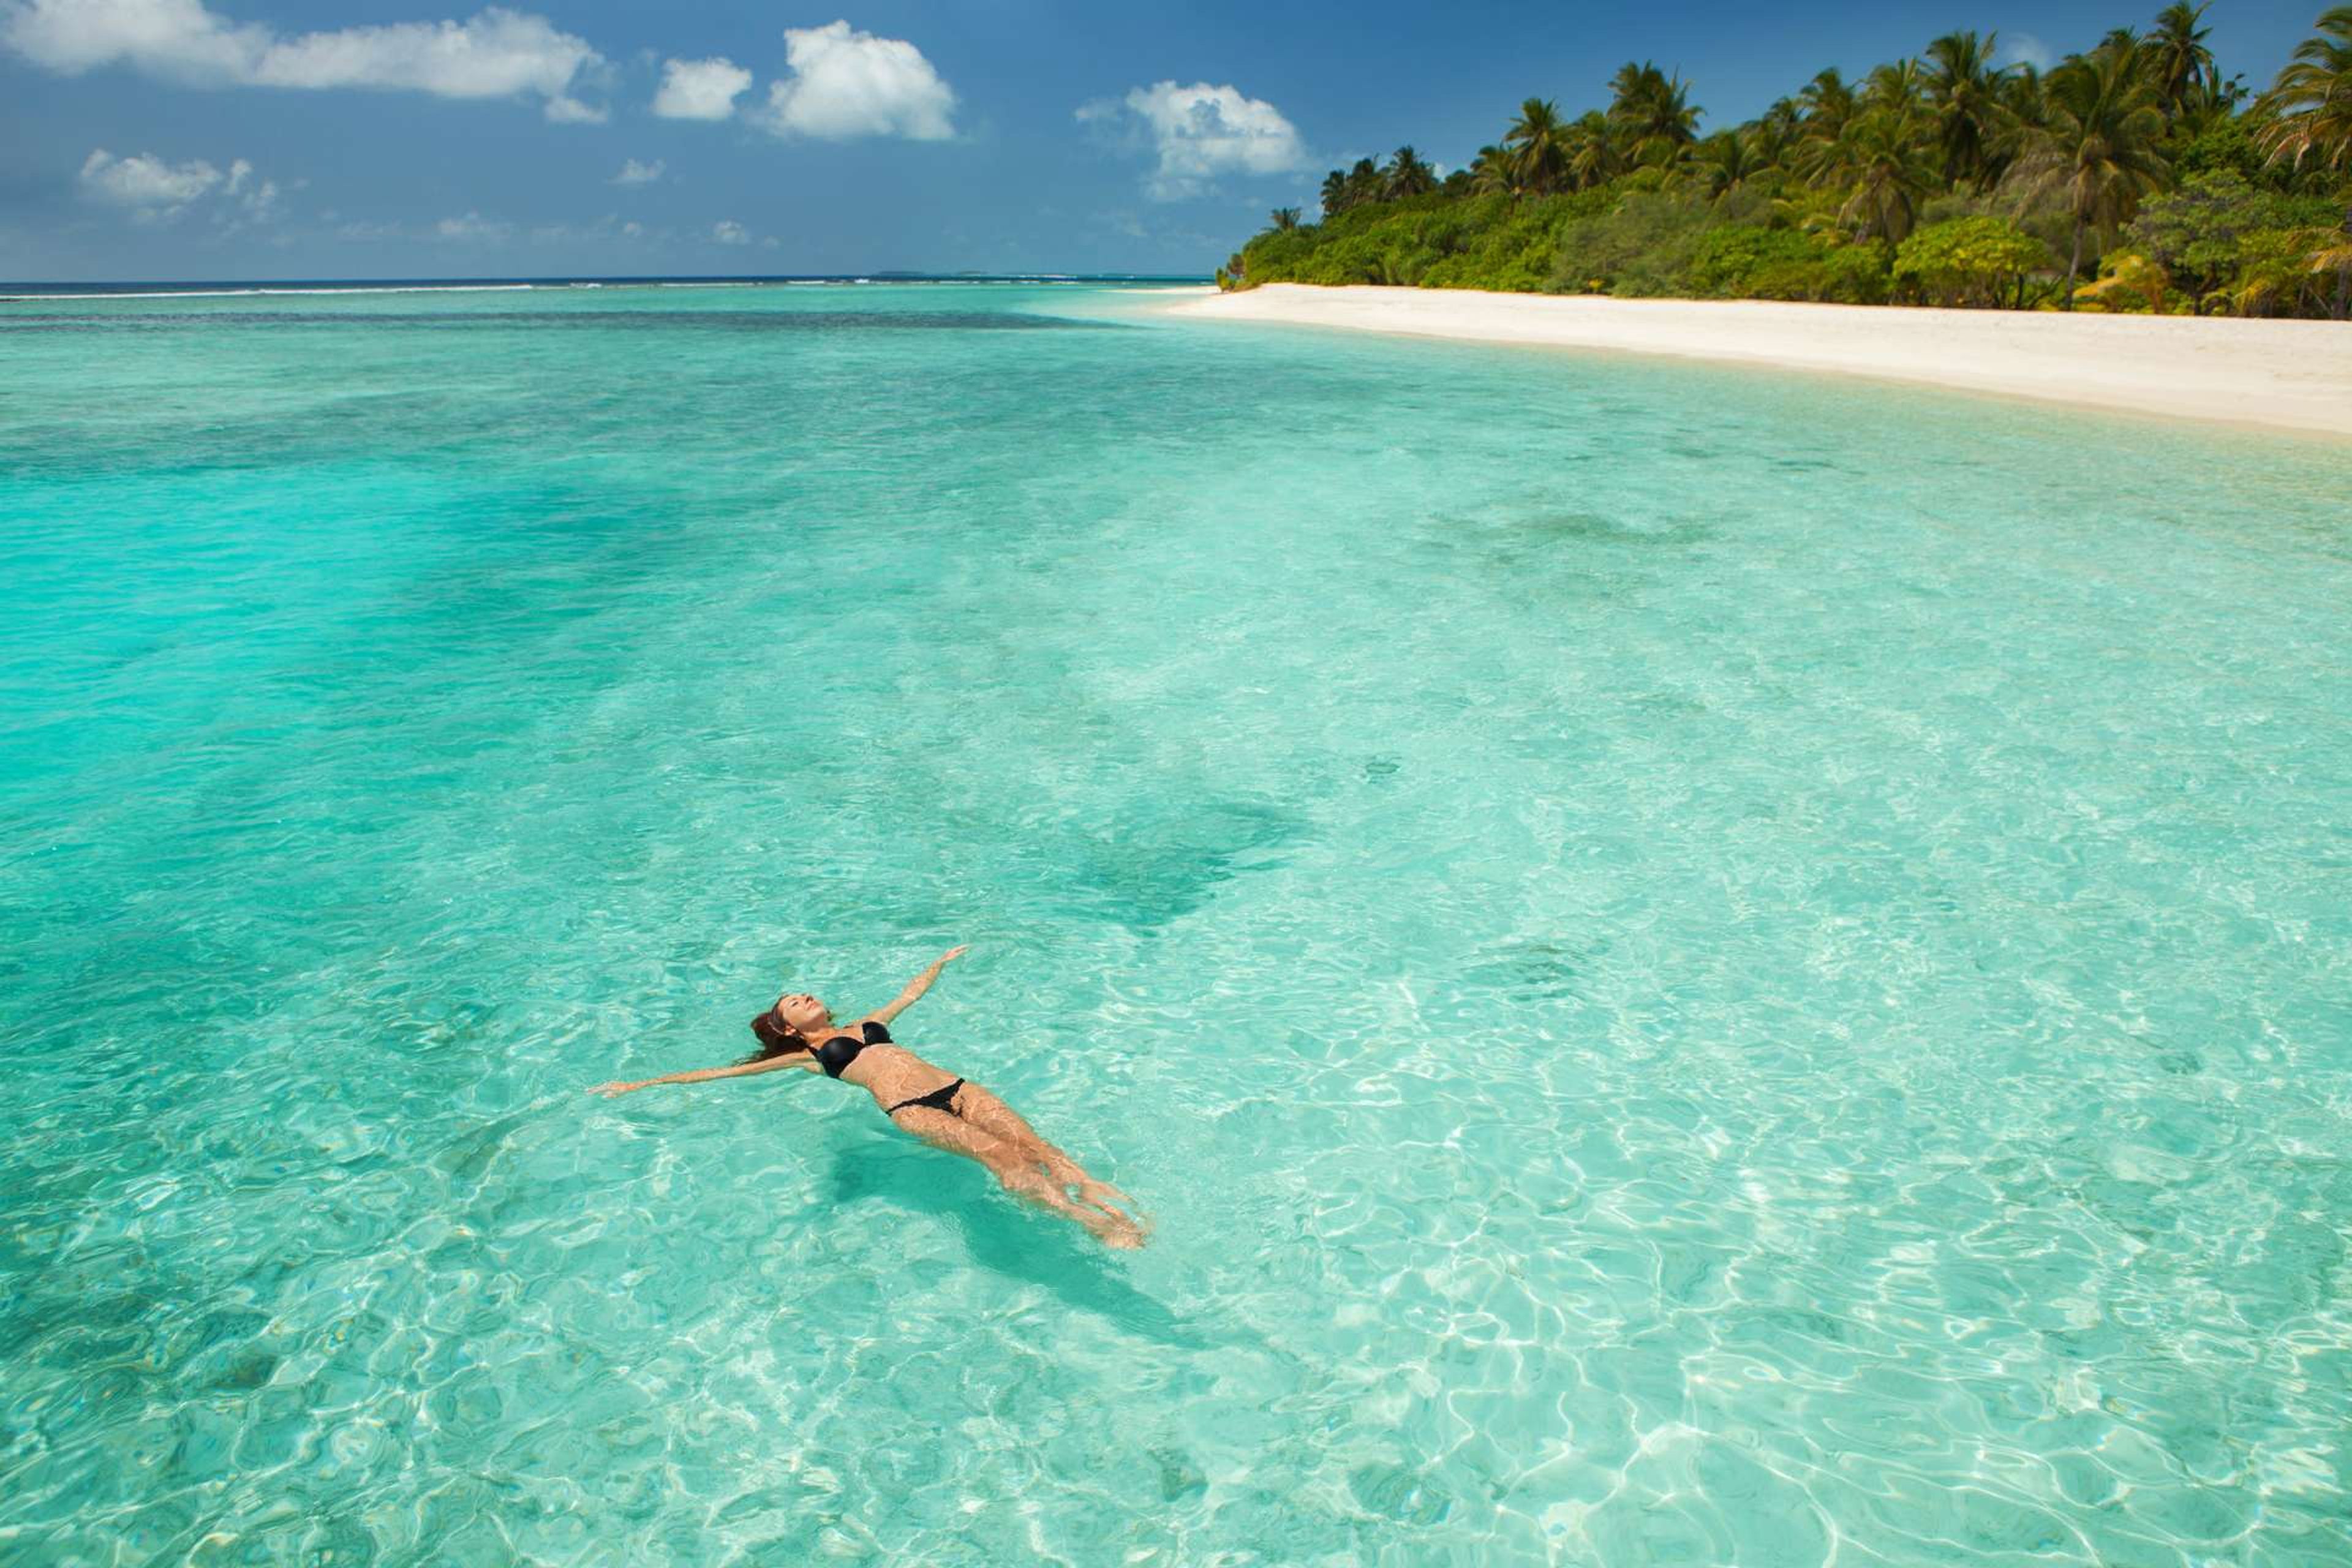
x=615, y=1090
x=917, y=986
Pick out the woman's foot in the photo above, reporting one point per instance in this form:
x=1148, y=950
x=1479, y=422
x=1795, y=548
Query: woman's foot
x=1088, y=1187
x=1140, y=1223
x=1112, y=1228
x=1123, y=1234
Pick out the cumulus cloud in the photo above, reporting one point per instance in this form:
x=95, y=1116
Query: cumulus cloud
x=497, y=54
x=633, y=172
x=257, y=199
x=149, y=187
x=1198, y=132
x=846, y=84
x=727, y=231
x=154, y=190
x=565, y=109
x=700, y=89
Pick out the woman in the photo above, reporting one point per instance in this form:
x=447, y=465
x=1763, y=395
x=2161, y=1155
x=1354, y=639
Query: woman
x=946, y=1113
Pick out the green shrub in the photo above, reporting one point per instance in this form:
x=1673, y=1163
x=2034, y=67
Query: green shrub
x=1728, y=263
x=2199, y=233
x=1969, y=261
x=1639, y=247
x=1435, y=241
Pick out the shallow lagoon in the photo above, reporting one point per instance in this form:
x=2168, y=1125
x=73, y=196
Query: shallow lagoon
x=1697, y=965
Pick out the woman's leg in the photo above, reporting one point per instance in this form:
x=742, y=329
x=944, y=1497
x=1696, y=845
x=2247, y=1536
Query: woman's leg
x=993, y=1116
x=1014, y=1168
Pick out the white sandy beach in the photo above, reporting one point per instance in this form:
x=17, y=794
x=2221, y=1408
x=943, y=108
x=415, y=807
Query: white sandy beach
x=2292, y=375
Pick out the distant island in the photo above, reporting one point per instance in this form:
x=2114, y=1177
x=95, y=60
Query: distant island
x=2136, y=177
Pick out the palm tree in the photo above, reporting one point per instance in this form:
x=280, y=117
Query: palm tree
x=1367, y=182
x=2310, y=105
x=1536, y=139
x=1284, y=219
x=1672, y=119
x=1335, y=194
x=1593, y=154
x=1827, y=102
x=2177, y=55
x=2098, y=151
x=2311, y=110
x=2025, y=96
x=1493, y=172
x=1408, y=175
x=1773, y=133
x=1963, y=88
x=1897, y=86
x=1651, y=113
x=1886, y=164
x=1590, y=153
x=1729, y=160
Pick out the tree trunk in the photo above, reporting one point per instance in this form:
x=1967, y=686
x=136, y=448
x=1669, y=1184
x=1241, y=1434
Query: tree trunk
x=2074, y=263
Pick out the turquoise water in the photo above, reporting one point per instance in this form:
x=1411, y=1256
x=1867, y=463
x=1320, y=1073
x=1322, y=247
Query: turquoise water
x=1698, y=966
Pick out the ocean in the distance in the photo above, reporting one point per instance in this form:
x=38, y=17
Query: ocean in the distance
x=1699, y=966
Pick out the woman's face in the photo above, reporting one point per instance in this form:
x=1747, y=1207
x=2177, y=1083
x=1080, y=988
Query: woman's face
x=802, y=1012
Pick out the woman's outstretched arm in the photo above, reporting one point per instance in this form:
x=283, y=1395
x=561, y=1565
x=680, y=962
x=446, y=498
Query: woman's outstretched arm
x=917, y=986
x=619, y=1087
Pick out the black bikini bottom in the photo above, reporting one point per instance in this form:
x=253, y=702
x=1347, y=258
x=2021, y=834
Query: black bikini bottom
x=940, y=1099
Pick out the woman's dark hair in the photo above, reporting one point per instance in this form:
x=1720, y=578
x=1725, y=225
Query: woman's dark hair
x=775, y=1039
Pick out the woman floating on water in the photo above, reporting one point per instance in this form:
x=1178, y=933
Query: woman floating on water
x=945, y=1112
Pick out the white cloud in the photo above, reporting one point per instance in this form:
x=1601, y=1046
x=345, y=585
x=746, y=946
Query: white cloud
x=565, y=109
x=258, y=199
x=635, y=173
x=700, y=89
x=152, y=191
x=497, y=54
x=1199, y=132
x=178, y=39
x=727, y=231
x=149, y=187
x=844, y=83
x=473, y=227
x=603, y=229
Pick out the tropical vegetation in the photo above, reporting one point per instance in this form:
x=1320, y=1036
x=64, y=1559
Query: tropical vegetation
x=2132, y=176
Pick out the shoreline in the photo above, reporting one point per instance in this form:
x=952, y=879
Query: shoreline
x=2275, y=375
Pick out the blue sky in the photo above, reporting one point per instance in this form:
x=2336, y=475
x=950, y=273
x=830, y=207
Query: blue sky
x=179, y=139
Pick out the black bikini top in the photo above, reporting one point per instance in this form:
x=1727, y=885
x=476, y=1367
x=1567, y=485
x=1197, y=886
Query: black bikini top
x=835, y=1054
